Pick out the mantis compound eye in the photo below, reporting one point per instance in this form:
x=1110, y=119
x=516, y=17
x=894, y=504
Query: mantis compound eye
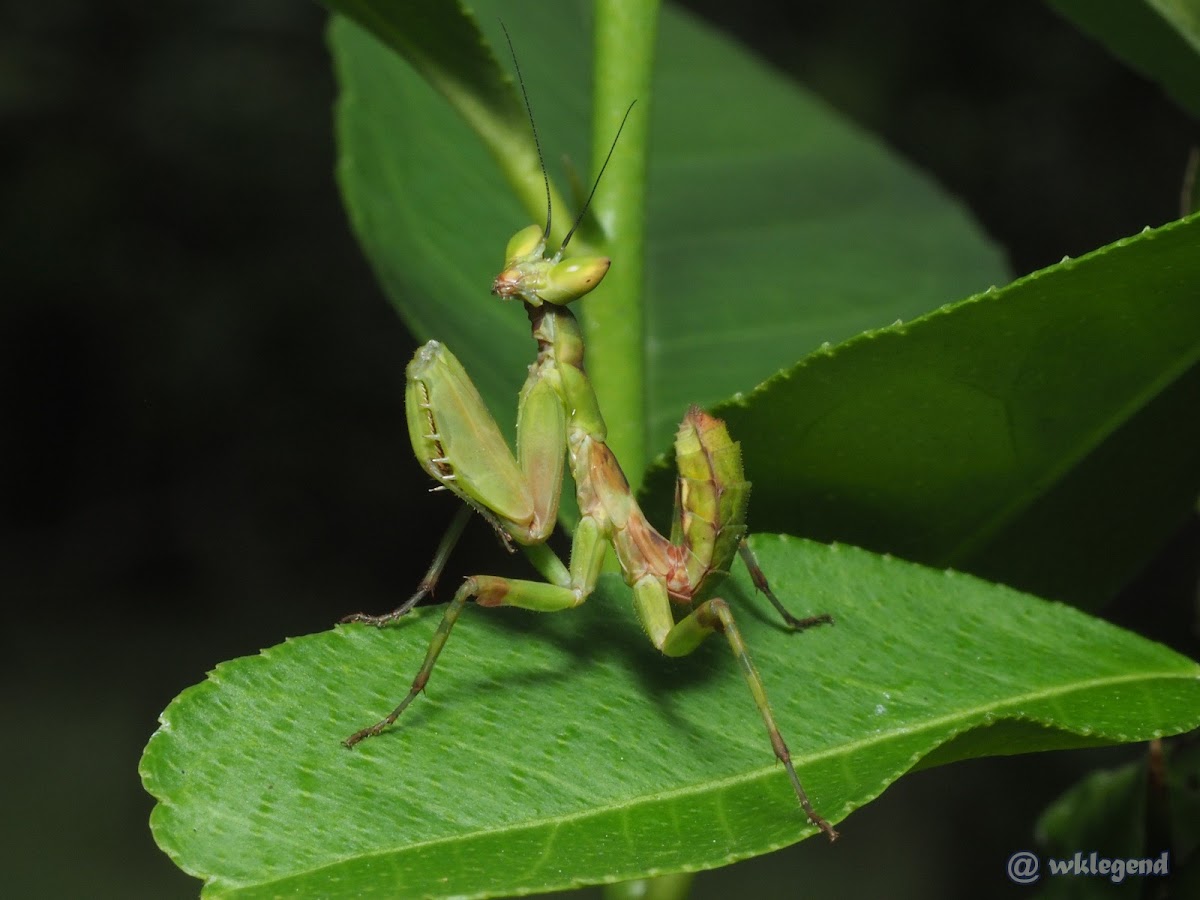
x=572, y=278
x=524, y=266
x=526, y=245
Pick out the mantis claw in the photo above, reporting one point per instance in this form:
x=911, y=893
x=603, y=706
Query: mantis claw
x=807, y=622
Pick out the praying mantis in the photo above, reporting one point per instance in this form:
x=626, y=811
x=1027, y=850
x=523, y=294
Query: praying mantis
x=457, y=442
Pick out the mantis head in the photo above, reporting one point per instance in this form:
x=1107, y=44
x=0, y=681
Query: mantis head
x=532, y=276
x=529, y=273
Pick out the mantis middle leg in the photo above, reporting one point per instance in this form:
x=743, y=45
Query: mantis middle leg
x=426, y=585
x=565, y=589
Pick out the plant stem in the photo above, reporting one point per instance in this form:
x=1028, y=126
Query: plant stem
x=613, y=320
x=663, y=887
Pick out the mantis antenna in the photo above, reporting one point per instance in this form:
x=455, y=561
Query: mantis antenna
x=596, y=183
x=533, y=125
x=542, y=160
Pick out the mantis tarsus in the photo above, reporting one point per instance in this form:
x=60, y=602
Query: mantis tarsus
x=459, y=444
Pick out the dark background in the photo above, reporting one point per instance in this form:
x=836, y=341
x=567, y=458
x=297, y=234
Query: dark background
x=201, y=427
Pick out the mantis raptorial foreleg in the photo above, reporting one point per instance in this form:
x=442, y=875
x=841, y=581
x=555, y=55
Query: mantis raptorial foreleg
x=458, y=443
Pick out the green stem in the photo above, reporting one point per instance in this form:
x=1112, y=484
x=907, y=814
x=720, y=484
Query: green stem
x=613, y=320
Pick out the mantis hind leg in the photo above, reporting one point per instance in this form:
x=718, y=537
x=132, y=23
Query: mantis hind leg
x=681, y=638
x=715, y=615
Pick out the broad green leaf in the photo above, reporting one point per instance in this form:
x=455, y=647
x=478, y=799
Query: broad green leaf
x=442, y=41
x=1044, y=434
x=1159, y=38
x=773, y=226
x=554, y=751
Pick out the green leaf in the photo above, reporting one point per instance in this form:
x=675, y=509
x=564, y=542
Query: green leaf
x=1044, y=434
x=773, y=225
x=1159, y=38
x=1107, y=812
x=441, y=40
x=554, y=751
